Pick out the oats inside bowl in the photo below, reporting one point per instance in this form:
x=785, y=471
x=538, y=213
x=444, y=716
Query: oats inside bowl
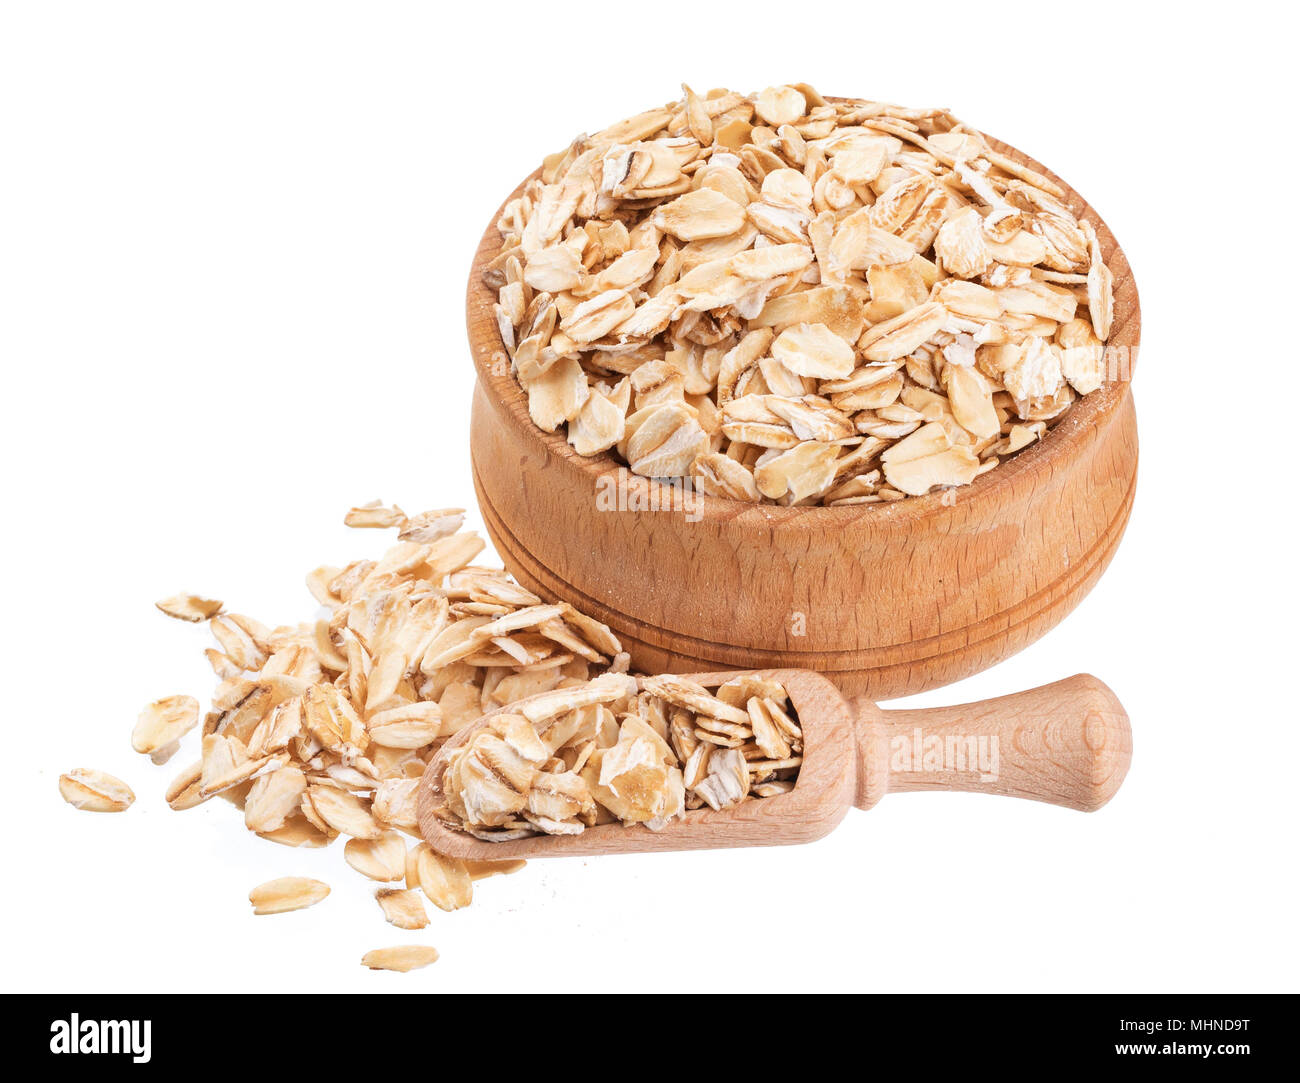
x=795, y=300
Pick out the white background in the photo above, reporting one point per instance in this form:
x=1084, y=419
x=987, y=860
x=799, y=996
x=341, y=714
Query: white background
x=234, y=247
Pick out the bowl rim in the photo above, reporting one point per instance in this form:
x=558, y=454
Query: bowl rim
x=1061, y=440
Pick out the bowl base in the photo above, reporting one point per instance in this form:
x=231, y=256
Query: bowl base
x=879, y=673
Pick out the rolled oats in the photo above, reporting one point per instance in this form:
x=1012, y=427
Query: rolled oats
x=444, y=880
x=430, y=526
x=324, y=728
x=668, y=277
x=189, y=607
x=482, y=870
x=273, y=798
x=164, y=722
x=402, y=907
x=287, y=893
x=603, y=752
x=374, y=514
x=382, y=858
x=402, y=959
x=95, y=791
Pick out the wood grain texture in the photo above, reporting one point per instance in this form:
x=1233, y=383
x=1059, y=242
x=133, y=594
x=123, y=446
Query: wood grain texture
x=887, y=599
x=1067, y=743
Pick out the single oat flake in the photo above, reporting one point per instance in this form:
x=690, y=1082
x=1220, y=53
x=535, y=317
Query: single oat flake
x=402, y=959
x=95, y=791
x=189, y=607
x=164, y=722
x=286, y=894
x=402, y=907
x=768, y=293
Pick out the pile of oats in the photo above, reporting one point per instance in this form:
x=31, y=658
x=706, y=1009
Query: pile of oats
x=798, y=301
x=323, y=729
x=622, y=749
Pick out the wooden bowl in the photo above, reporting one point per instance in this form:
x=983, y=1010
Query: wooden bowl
x=884, y=599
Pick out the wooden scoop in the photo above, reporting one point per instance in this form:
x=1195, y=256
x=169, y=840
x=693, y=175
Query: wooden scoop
x=1066, y=743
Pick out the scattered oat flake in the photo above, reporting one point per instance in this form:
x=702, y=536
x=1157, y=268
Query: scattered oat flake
x=287, y=893
x=323, y=729
x=482, y=870
x=343, y=811
x=429, y=526
x=402, y=959
x=95, y=791
x=164, y=722
x=402, y=907
x=382, y=858
x=445, y=880
x=189, y=607
x=374, y=514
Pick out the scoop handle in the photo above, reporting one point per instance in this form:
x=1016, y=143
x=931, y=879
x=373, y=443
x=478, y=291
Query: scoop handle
x=1067, y=743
